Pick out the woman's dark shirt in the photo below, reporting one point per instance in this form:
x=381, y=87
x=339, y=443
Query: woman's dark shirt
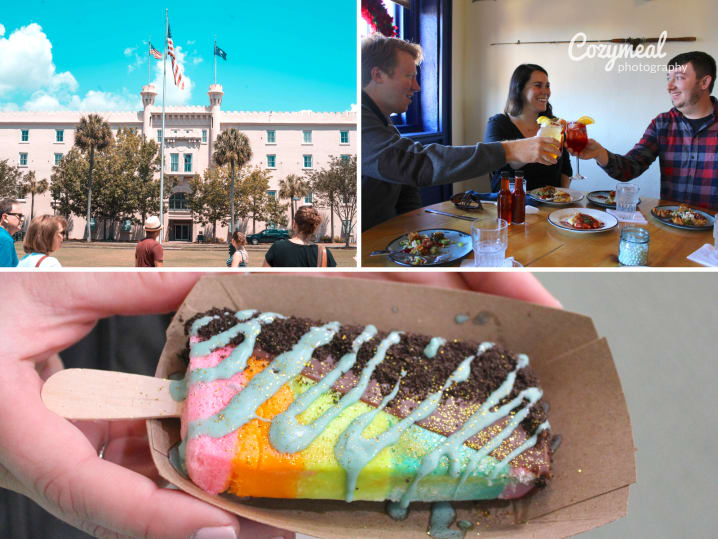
x=286, y=254
x=500, y=127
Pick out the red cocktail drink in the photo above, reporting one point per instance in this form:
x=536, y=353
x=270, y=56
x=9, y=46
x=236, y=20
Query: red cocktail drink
x=576, y=137
x=576, y=140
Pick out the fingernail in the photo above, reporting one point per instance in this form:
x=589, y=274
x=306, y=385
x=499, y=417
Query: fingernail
x=220, y=532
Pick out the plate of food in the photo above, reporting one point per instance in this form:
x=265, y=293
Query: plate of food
x=584, y=220
x=683, y=217
x=430, y=247
x=555, y=196
x=605, y=199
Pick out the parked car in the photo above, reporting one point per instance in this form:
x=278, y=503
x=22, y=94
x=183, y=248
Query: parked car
x=269, y=235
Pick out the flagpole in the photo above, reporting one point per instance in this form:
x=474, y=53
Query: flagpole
x=162, y=148
x=149, y=60
x=215, y=59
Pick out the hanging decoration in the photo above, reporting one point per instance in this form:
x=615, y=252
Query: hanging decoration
x=376, y=15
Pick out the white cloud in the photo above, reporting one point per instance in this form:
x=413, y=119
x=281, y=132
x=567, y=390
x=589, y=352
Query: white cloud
x=196, y=61
x=129, y=50
x=8, y=107
x=353, y=108
x=42, y=101
x=25, y=59
x=26, y=66
x=191, y=42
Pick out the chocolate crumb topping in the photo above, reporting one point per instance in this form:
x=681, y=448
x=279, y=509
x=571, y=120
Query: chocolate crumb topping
x=423, y=376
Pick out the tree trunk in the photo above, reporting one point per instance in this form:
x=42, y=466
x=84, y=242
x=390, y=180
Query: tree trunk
x=214, y=229
x=331, y=216
x=32, y=205
x=89, y=194
x=231, y=203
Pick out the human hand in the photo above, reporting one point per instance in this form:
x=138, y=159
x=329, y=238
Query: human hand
x=593, y=150
x=544, y=150
x=55, y=462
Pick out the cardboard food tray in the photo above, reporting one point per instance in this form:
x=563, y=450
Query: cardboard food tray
x=593, y=466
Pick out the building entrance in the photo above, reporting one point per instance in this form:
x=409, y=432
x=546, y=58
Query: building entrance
x=180, y=232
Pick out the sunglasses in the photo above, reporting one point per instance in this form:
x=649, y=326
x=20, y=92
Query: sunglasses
x=18, y=215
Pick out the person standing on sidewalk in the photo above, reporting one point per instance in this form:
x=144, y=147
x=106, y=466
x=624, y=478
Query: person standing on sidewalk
x=149, y=253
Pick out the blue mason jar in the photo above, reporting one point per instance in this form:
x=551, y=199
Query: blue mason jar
x=633, y=247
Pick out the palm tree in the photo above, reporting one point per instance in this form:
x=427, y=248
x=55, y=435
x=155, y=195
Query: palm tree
x=293, y=187
x=92, y=134
x=32, y=186
x=232, y=147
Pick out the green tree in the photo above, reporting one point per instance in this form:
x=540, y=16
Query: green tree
x=233, y=148
x=68, y=186
x=208, y=197
x=143, y=158
x=10, y=176
x=30, y=185
x=92, y=134
x=293, y=187
x=337, y=183
x=276, y=212
x=254, y=194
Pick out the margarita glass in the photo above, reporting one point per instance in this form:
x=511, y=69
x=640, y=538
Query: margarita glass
x=553, y=129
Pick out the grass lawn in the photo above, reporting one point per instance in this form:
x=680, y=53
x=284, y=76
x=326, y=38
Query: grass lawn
x=177, y=255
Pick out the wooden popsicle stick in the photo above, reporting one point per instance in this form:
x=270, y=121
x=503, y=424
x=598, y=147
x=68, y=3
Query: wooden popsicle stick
x=95, y=394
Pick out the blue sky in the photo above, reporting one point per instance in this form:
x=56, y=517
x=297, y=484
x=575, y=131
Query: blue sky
x=81, y=55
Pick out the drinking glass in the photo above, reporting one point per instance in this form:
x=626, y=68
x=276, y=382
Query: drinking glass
x=576, y=139
x=553, y=130
x=626, y=200
x=490, y=238
x=633, y=246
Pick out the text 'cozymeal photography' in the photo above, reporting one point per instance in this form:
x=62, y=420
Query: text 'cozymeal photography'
x=146, y=135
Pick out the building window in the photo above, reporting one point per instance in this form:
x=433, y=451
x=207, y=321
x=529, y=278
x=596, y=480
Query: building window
x=343, y=137
x=307, y=161
x=23, y=159
x=178, y=201
x=24, y=135
x=272, y=194
x=307, y=136
x=59, y=135
x=159, y=135
x=271, y=136
x=308, y=199
x=204, y=135
x=271, y=161
x=345, y=157
x=58, y=158
x=174, y=162
x=188, y=162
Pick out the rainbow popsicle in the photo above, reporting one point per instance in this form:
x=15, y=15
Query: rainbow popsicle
x=285, y=407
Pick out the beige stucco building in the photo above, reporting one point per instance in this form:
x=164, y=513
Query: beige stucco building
x=284, y=142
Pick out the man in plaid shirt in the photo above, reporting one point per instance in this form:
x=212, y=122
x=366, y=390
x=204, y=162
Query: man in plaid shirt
x=685, y=139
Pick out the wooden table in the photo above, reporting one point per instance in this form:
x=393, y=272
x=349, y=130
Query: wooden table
x=538, y=243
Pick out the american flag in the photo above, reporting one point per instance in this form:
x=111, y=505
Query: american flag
x=154, y=52
x=176, y=69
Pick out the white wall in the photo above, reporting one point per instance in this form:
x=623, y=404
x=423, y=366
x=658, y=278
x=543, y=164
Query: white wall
x=623, y=104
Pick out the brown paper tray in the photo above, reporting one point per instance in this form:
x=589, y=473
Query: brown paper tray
x=593, y=467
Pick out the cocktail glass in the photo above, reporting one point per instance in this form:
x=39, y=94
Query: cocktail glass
x=576, y=139
x=554, y=130
x=490, y=238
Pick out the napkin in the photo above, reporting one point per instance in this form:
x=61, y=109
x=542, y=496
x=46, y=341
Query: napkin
x=707, y=255
x=636, y=218
x=469, y=263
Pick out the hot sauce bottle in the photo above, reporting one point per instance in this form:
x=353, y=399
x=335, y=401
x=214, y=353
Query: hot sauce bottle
x=504, y=199
x=518, y=201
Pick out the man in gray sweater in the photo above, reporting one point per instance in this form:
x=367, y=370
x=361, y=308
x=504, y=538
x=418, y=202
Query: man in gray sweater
x=395, y=167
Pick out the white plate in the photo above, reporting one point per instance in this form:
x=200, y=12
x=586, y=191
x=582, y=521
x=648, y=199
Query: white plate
x=575, y=197
x=609, y=221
